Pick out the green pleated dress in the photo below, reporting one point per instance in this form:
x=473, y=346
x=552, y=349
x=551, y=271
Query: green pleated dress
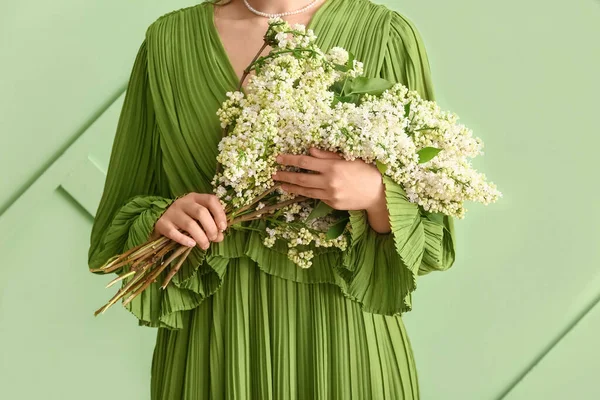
x=246, y=323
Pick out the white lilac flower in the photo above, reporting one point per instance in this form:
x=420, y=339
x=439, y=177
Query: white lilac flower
x=338, y=55
x=288, y=106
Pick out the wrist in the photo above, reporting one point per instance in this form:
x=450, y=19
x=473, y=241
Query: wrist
x=378, y=203
x=379, y=208
x=378, y=215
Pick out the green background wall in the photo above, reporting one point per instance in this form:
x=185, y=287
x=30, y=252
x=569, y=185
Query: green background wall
x=515, y=318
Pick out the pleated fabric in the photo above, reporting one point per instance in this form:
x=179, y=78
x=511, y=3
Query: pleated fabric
x=263, y=337
x=242, y=321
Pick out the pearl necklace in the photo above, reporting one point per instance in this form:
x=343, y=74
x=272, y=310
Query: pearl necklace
x=283, y=14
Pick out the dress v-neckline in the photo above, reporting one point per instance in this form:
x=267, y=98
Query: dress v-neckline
x=220, y=47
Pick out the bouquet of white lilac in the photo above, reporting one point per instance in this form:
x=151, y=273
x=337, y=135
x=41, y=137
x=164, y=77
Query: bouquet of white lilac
x=301, y=97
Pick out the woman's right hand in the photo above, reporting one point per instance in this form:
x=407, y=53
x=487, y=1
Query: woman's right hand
x=200, y=215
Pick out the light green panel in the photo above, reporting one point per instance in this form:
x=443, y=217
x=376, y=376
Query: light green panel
x=85, y=184
x=51, y=345
x=62, y=62
x=570, y=370
x=524, y=76
x=48, y=333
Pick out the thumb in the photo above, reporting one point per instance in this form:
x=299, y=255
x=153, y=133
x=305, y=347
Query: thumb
x=318, y=153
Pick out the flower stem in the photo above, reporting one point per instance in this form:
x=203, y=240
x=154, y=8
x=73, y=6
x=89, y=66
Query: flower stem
x=123, y=291
x=120, y=278
x=244, y=76
x=249, y=68
x=154, y=274
x=174, y=270
x=258, y=213
x=257, y=199
x=142, y=272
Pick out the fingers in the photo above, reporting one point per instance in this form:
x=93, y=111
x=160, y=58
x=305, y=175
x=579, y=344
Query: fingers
x=203, y=215
x=216, y=209
x=304, y=191
x=301, y=179
x=169, y=230
x=303, y=161
x=200, y=215
x=200, y=223
x=318, y=153
x=189, y=224
x=209, y=212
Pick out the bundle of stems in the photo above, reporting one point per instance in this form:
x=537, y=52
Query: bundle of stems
x=146, y=260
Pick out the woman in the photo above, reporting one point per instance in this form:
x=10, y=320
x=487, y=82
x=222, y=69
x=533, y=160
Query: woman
x=246, y=323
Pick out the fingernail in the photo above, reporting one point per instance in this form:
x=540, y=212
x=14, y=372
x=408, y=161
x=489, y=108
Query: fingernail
x=191, y=243
x=278, y=159
x=223, y=226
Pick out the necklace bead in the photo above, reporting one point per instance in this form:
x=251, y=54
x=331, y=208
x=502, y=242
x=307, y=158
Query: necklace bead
x=283, y=14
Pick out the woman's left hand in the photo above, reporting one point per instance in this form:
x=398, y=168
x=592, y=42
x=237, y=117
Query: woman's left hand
x=341, y=184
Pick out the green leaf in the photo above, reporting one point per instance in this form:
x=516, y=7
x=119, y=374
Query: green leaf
x=407, y=109
x=342, y=68
x=337, y=229
x=381, y=167
x=427, y=154
x=337, y=87
x=351, y=58
x=346, y=99
x=373, y=86
x=319, y=211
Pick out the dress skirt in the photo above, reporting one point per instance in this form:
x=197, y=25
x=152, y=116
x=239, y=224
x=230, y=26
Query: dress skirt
x=263, y=337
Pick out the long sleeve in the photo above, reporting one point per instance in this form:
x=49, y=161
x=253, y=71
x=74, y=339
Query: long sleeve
x=132, y=200
x=135, y=196
x=418, y=243
x=406, y=61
